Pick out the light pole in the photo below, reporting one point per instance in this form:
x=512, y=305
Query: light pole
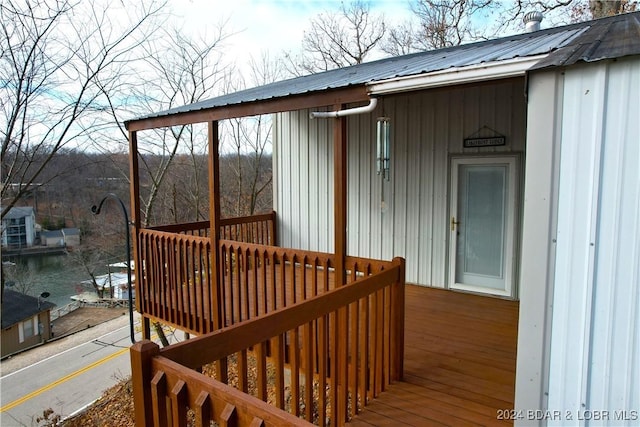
x=96, y=211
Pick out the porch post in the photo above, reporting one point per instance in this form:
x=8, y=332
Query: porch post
x=141, y=354
x=214, y=221
x=134, y=192
x=339, y=387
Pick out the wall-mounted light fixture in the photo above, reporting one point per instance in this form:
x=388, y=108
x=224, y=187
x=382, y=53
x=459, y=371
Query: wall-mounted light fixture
x=383, y=151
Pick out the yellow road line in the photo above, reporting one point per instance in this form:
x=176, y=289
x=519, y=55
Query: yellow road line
x=61, y=380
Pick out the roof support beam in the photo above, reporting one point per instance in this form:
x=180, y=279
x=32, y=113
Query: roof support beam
x=291, y=103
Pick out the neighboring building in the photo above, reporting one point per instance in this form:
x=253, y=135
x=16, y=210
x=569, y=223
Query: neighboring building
x=19, y=228
x=26, y=321
x=509, y=168
x=66, y=237
x=112, y=285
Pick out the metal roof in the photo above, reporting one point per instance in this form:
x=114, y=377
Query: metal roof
x=18, y=212
x=614, y=37
x=586, y=41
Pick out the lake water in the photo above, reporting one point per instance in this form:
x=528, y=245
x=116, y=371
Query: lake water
x=54, y=274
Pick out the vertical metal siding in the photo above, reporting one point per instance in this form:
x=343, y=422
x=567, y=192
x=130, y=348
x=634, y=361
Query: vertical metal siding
x=426, y=128
x=595, y=344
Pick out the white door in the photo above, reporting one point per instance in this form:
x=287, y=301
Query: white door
x=482, y=224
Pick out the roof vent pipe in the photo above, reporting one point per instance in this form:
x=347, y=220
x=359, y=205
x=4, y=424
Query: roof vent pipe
x=532, y=21
x=351, y=111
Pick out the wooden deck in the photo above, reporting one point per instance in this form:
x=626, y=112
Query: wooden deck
x=460, y=359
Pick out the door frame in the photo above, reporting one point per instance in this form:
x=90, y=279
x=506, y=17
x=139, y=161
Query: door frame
x=512, y=240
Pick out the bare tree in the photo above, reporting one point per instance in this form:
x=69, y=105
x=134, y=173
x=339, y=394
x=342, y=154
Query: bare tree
x=176, y=70
x=558, y=12
x=246, y=166
x=443, y=23
x=338, y=39
x=438, y=24
x=55, y=57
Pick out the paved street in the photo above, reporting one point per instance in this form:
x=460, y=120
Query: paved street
x=67, y=380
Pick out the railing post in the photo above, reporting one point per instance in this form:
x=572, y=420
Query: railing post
x=141, y=354
x=397, y=300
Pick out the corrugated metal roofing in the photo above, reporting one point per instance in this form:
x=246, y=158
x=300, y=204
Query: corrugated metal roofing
x=608, y=38
x=18, y=212
x=612, y=37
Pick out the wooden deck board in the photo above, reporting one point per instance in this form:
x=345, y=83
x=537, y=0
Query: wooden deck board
x=460, y=358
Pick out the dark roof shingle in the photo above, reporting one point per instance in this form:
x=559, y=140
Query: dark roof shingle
x=17, y=307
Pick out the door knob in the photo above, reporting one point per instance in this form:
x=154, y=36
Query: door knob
x=454, y=223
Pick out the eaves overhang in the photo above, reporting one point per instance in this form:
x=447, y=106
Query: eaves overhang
x=486, y=71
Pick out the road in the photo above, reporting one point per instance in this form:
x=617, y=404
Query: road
x=65, y=382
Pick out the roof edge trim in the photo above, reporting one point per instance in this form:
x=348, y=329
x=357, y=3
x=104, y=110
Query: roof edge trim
x=457, y=75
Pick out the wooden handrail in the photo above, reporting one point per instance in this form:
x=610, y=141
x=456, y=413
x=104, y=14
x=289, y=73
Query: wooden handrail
x=248, y=219
x=264, y=226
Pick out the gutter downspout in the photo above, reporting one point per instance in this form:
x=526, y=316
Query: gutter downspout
x=373, y=102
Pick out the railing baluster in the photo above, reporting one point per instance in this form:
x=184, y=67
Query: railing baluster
x=159, y=396
x=202, y=410
x=294, y=363
x=229, y=416
x=179, y=403
x=363, y=344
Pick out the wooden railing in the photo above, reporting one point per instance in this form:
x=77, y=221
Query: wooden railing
x=319, y=359
x=174, y=283
x=176, y=287
x=260, y=229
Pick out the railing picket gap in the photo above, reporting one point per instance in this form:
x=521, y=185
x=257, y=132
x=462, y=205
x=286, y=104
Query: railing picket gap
x=261, y=370
x=323, y=368
x=307, y=365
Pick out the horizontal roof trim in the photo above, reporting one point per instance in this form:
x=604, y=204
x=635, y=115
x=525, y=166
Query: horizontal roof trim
x=334, y=97
x=455, y=76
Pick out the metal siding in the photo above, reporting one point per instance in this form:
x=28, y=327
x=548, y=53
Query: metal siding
x=579, y=168
x=426, y=127
x=594, y=355
x=615, y=349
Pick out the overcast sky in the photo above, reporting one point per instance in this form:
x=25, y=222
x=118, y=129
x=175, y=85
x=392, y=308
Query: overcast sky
x=273, y=25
